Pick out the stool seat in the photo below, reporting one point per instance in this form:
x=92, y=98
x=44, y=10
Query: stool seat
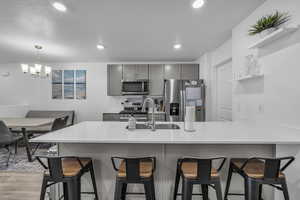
x=146, y=168
x=189, y=170
x=259, y=171
x=71, y=167
x=254, y=169
x=67, y=170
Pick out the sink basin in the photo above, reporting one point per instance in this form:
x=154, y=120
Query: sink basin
x=157, y=126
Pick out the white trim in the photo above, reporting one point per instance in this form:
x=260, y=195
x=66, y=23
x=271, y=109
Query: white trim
x=215, y=88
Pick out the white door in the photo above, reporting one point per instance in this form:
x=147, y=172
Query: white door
x=224, y=92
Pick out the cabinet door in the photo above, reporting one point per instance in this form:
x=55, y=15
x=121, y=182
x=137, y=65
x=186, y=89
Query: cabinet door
x=156, y=79
x=142, y=72
x=190, y=72
x=114, y=79
x=172, y=71
x=129, y=72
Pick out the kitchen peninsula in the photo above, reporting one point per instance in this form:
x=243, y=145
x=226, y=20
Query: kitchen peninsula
x=101, y=140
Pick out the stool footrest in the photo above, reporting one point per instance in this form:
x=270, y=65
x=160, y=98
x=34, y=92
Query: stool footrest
x=196, y=194
x=135, y=193
x=235, y=194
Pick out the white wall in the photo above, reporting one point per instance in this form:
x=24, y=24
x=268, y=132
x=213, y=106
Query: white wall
x=13, y=110
x=22, y=89
x=208, y=63
x=277, y=96
x=274, y=97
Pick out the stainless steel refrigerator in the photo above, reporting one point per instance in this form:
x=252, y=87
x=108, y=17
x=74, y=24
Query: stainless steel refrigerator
x=181, y=93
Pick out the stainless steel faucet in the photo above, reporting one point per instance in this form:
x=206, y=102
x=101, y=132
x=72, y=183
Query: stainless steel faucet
x=152, y=122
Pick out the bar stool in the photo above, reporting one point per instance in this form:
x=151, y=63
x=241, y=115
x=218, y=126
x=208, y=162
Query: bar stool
x=67, y=170
x=258, y=171
x=198, y=171
x=137, y=171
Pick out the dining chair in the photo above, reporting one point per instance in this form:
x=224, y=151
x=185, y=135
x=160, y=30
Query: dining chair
x=7, y=138
x=58, y=124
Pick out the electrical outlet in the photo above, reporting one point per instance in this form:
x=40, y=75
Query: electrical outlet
x=5, y=74
x=260, y=108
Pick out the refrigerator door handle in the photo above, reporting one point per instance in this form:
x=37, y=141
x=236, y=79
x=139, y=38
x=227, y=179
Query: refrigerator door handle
x=182, y=105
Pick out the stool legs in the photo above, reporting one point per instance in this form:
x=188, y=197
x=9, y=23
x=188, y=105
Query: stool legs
x=124, y=190
x=118, y=190
x=177, y=179
x=66, y=193
x=218, y=190
x=251, y=189
x=152, y=189
x=285, y=190
x=92, y=172
x=204, y=191
x=74, y=189
x=149, y=190
x=44, y=189
x=260, y=192
x=121, y=188
x=228, y=182
x=187, y=189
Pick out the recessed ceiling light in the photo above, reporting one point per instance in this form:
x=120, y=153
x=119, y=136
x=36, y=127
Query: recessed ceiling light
x=100, y=47
x=198, y=4
x=177, y=46
x=59, y=6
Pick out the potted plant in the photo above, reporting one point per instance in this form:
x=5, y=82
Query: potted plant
x=269, y=23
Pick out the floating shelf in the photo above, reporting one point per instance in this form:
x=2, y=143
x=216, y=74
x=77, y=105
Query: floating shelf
x=248, y=77
x=274, y=36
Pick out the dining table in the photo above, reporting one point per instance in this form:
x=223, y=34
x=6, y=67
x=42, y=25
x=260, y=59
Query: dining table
x=24, y=124
x=20, y=185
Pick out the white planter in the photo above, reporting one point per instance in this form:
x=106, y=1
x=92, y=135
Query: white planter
x=267, y=32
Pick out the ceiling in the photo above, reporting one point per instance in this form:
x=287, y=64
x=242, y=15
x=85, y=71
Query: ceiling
x=131, y=30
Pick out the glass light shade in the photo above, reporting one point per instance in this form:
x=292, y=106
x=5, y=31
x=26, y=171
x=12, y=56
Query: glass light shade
x=32, y=70
x=25, y=68
x=38, y=68
x=198, y=3
x=48, y=70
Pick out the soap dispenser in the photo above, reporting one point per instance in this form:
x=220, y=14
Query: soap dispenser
x=131, y=123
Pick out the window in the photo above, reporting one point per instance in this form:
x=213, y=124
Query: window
x=69, y=84
x=80, y=84
x=57, y=84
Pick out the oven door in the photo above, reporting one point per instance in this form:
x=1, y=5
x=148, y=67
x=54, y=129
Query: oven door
x=135, y=88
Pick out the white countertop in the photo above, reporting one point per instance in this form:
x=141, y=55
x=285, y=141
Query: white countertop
x=206, y=133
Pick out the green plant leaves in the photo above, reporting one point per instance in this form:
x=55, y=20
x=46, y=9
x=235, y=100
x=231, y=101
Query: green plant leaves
x=269, y=21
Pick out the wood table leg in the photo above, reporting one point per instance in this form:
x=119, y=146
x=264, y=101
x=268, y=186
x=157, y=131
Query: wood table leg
x=27, y=145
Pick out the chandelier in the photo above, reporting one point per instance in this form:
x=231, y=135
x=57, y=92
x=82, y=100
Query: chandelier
x=37, y=70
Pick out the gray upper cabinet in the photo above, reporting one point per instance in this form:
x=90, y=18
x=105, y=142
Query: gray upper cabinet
x=135, y=72
x=142, y=71
x=129, y=72
x=172, y=71
x=114, y=75
x=189, y=72
x=156, y=79
x=156, y=73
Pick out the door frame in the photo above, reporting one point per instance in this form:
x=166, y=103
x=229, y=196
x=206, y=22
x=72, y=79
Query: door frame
x=215, y=86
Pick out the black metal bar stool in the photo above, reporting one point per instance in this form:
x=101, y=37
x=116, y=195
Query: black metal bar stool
x=67, y=170
x=258, y=171
x=198, y=171
x=137, y=171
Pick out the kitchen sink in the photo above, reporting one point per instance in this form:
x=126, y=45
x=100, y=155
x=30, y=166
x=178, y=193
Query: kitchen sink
x=157, y=126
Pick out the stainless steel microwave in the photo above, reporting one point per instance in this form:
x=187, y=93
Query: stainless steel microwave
x=136, y=87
